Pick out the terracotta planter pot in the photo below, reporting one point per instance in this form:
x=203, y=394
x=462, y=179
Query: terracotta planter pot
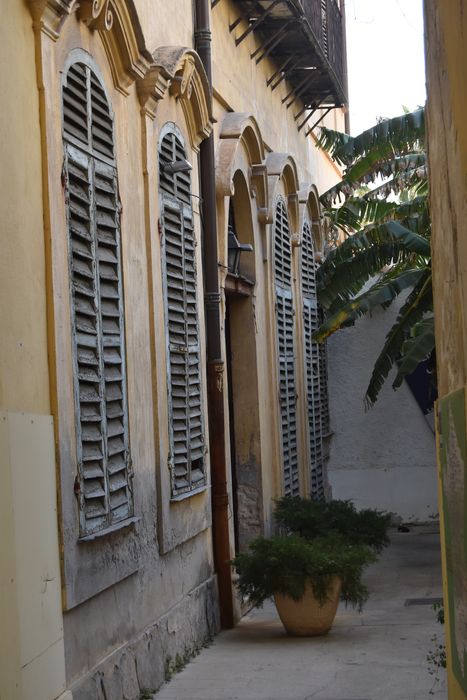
x=307, y=617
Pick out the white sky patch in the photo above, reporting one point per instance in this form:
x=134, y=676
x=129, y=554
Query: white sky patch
x=385, y=57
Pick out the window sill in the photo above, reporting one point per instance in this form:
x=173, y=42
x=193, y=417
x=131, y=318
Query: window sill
x=189, y=494
x=122, y=525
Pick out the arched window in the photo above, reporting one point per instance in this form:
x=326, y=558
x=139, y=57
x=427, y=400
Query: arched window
x=285, y=349
x=103, y=483
x=313, y=364
x=186, y=434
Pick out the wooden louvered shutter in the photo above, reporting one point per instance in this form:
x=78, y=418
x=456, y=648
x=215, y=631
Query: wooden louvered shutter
x=286, y=351
x=312, y=365
x=178, y=185
x=104, y=473
x=187, y=443
x=323, y=382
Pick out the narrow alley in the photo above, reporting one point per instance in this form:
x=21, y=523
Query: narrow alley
x=377, y=655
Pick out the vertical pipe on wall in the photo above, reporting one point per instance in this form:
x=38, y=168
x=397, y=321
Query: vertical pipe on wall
x=215, y=364
x=346, y=75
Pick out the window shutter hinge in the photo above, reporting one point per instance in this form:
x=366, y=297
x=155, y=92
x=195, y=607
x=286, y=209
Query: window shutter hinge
x=130, y=470
x=63, y=176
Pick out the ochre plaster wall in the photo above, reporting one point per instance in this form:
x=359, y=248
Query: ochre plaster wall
x=24, y=382
x=240, y=86
x=117, y=640
x=31, y=648
x=446, y=58
x=383, y=458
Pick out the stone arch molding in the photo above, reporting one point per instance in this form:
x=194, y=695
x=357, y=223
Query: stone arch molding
x=176, y=69
x=308, y=202
x=309, y=205
x=281, y=168
x=117, y=23
x=240, y=135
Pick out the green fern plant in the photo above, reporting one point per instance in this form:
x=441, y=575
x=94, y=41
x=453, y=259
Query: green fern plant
x=311, y=519
x=382, y=222
x=285, y=564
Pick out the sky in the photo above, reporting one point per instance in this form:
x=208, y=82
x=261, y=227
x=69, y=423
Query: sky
x=385, y=59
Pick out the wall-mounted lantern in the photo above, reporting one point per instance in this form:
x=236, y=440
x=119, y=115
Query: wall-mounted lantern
x=235, y=250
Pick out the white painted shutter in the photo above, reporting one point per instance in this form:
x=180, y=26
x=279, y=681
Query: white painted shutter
x=186, y=430
x=104, y=474
x=312, y=365
x=285, y=350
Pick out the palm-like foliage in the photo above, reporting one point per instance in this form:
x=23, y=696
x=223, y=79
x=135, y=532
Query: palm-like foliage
x=384, y=235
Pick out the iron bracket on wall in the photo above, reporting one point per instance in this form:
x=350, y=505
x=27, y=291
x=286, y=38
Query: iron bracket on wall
x=319, y=121
x=273, y=41
x=257, y=22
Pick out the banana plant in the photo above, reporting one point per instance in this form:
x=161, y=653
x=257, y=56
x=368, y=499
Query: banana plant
x=379, y=220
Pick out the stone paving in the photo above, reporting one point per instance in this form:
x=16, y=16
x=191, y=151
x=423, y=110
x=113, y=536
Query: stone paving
x=379, y=654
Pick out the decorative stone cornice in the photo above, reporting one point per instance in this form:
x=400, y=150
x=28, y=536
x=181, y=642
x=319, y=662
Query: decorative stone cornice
x=96, y=13
x=115, y=20
x=292, y=201
x=178, y=71
x=282, y=168
x=259, y=187
x=240, y=135
x=309, y=209
x=151, y=89
x=308, y=203
x=50, y=15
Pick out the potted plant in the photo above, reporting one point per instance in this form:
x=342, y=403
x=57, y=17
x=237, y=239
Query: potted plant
x=306, y=578
x=312, y=519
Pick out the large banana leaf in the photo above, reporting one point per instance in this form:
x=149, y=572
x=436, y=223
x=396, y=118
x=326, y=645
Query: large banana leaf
x=380, y=294
x=383, y=164
x=362, y=256
x=405, y=133
x=419, y=301
x=358, y=212
x=399, y=173
x=388, y=232
x=416, y=348
x=414, y=182
x=339, y=284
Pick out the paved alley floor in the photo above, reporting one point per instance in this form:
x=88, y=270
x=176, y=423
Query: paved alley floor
x=379, y=654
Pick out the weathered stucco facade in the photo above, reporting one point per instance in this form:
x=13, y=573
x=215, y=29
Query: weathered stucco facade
x=446, y=59
x=90, y=611
x=383, y=458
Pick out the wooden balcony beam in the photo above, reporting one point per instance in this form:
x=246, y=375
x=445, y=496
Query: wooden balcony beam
x=255, y=23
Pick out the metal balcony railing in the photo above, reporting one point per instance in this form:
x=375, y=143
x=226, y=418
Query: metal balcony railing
x=325, y=20
x=305, y=41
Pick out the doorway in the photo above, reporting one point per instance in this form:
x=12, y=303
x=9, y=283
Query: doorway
x=242, y=377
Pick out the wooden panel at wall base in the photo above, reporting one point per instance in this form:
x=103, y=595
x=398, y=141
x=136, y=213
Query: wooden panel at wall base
x=28, y=455
x=453, y=471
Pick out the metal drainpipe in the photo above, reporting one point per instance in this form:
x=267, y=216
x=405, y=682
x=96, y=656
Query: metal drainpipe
x=346, y=78
x=215, y=364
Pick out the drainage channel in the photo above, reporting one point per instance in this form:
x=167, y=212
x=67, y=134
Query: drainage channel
x=423, y=601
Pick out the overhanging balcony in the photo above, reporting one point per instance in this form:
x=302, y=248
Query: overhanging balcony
x=305, y=40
